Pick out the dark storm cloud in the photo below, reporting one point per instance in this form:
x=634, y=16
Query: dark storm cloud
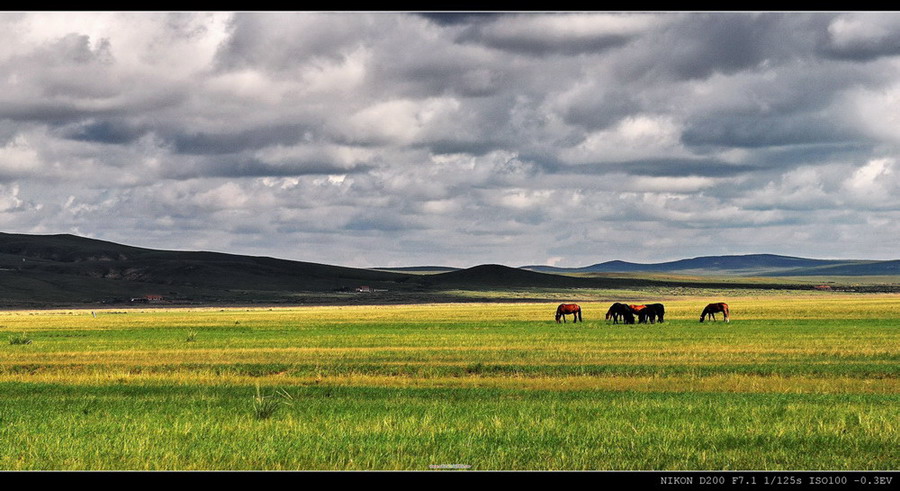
x=442, y=76
x=789, y=157
x=49, y=112
x=458, y=18
x=699, y=45
x=764, y=131
x=865, y=50
x=237, y=141
x=110, y=131
x=236, y=166
x=683, y=167
x=601, y=109
x=470, y=146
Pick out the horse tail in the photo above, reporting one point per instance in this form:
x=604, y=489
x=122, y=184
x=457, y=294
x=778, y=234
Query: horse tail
x=579, y=315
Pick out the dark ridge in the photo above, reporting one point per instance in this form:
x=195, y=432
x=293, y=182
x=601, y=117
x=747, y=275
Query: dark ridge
x=744, y=265
x=498, y=275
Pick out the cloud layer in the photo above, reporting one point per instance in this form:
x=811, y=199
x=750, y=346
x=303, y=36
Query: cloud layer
x=382, y=139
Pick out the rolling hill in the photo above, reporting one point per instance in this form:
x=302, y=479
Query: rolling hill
x=40, y=268
x=57, y=270
x=741, y=265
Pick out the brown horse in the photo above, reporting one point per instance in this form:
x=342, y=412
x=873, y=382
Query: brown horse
x=711, y=310
x=565, y=309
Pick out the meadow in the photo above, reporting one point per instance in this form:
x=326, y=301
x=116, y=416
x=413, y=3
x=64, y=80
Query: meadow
x=802, y=381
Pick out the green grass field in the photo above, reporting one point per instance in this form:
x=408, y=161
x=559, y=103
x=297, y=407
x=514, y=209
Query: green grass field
x=798, y=382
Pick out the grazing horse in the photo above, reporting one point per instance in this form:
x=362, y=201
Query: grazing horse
x=640, y=311
x=565, y=309
x=711, y=309
x=617, y=310
x=654, y=312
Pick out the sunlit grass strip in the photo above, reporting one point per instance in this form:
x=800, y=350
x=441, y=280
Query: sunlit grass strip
x=726, y=383
x=797, y=306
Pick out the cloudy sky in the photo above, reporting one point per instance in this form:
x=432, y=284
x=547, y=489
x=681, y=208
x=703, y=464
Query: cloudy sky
x=391, y=138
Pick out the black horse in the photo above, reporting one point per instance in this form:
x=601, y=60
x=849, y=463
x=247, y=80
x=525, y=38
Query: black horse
x=654, y=312
x=618, y=310
x=650, y=313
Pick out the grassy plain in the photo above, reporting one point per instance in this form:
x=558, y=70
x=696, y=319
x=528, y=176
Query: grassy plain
x=796, y=381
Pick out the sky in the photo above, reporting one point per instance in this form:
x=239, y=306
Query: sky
x=378, y=139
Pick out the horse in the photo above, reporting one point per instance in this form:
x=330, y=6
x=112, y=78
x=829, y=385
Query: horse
x=617, y=310
x=654, y=312
x=711, y=310
x=565, y=309
x=640, y=311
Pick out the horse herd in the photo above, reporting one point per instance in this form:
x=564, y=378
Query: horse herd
x=627, y=313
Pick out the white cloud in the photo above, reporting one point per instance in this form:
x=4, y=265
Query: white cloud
x=851, y=31
x=876, y=111
x=397, y=122
x=875, y=184
x=18, y=158
x=636, y=137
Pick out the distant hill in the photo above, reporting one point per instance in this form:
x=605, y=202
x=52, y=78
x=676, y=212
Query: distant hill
x=58, y=270
x=856, y=268
x=742, y=265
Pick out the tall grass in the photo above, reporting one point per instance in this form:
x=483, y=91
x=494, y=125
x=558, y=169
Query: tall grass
x=264, y=407
x=20, y=338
